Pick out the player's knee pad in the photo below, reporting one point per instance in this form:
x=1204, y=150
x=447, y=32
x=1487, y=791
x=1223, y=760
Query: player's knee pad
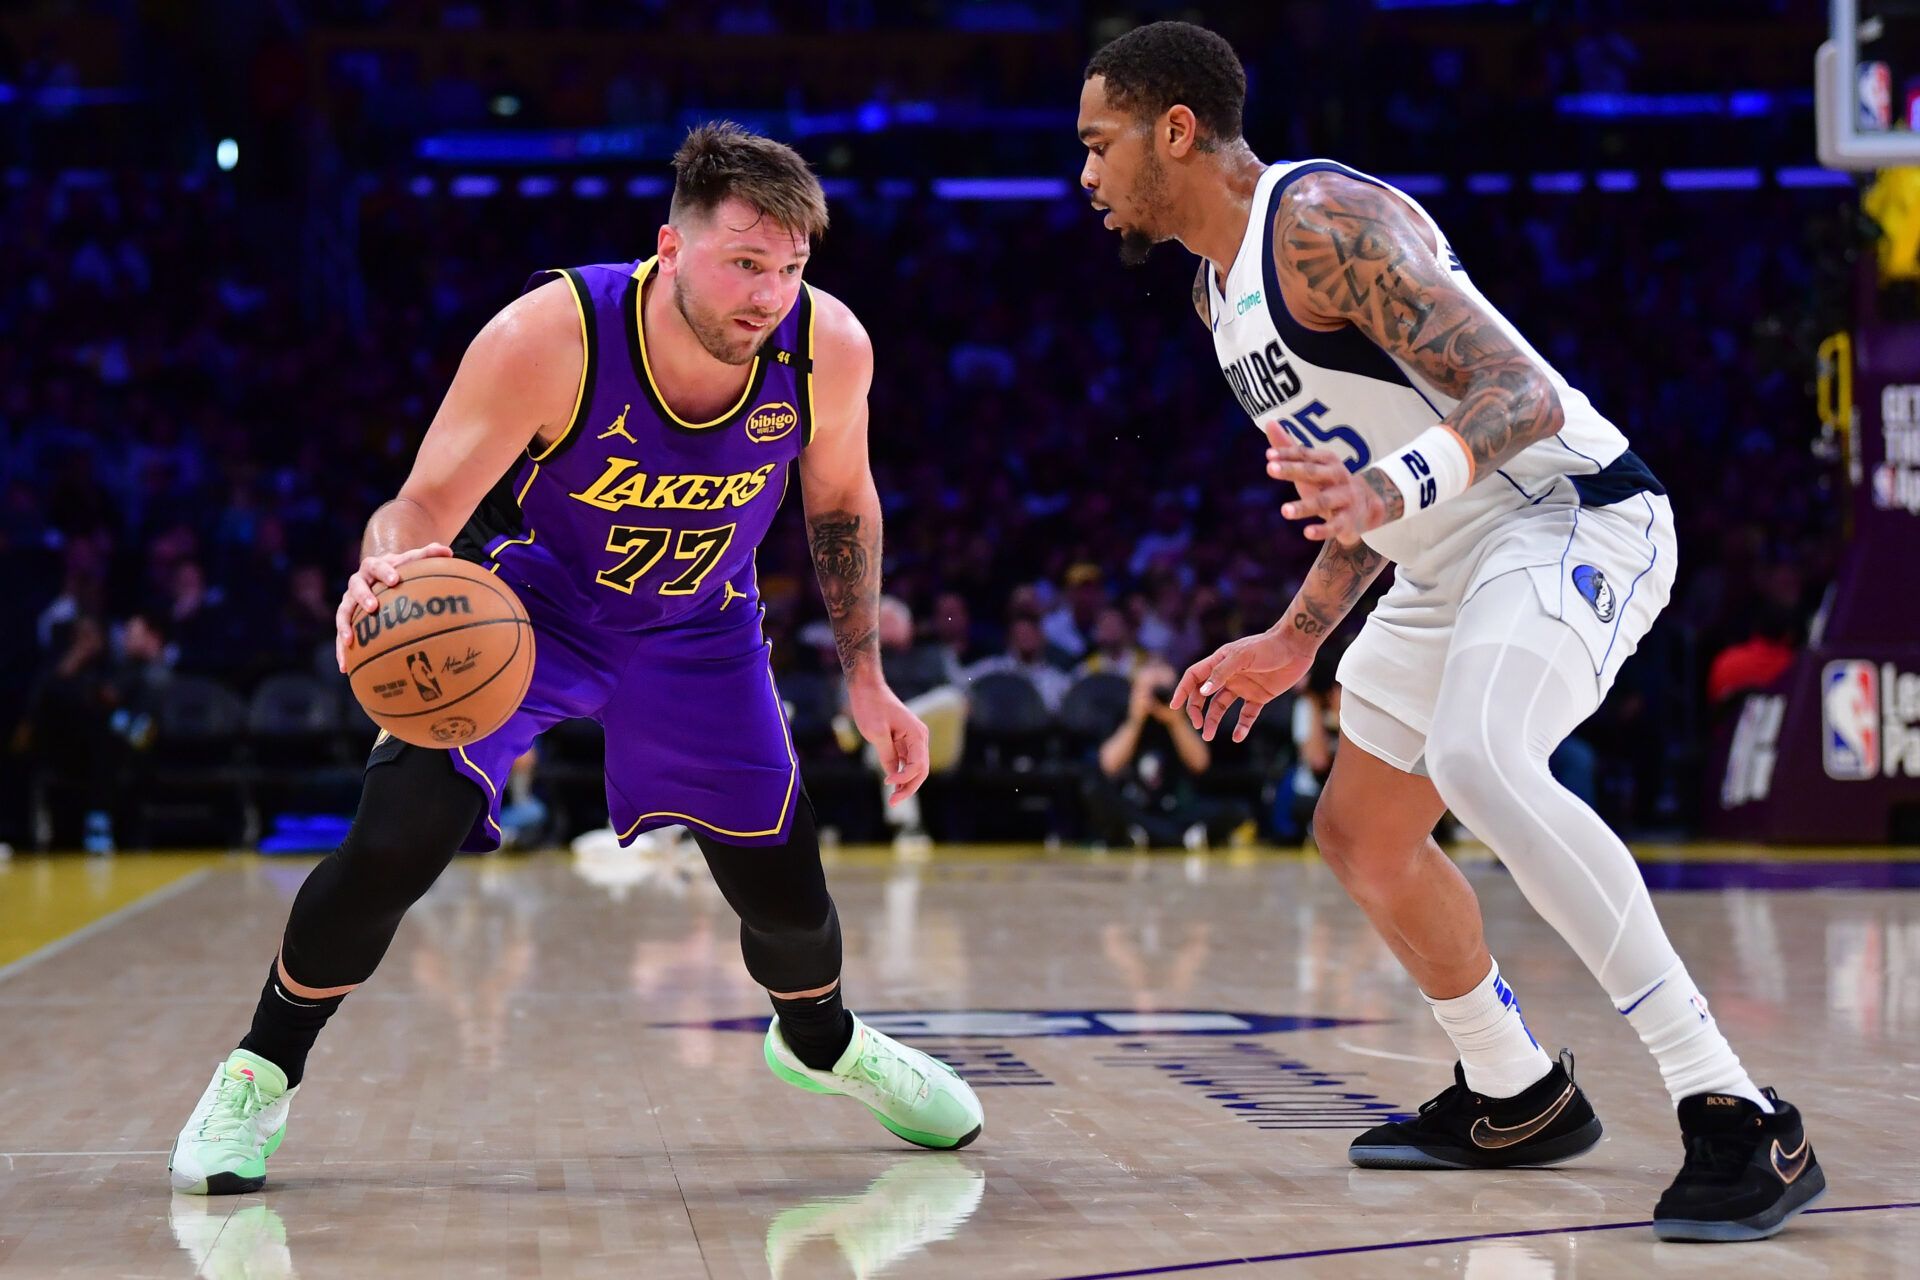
x=789, y=930
x=414, y=813
x=794, y=959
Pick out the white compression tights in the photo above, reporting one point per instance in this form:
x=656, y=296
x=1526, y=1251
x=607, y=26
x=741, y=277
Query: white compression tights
x=1516, y=682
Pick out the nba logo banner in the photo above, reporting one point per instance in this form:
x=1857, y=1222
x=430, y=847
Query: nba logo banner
x=1850, y=720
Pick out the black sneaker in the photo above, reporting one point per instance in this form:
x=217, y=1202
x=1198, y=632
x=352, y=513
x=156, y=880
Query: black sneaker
x=1746, y=1172
x=1546, y=1123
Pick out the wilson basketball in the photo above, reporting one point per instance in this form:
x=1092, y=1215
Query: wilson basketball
x=446, y=657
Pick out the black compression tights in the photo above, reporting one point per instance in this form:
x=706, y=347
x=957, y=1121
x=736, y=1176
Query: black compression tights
x=414, y=812
x=789, y=929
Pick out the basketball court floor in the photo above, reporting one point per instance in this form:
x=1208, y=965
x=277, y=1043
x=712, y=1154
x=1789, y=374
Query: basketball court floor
x=557, y=1072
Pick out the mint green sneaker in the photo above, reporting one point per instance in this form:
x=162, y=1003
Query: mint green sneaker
x=917, y=1096
x=239, y=1123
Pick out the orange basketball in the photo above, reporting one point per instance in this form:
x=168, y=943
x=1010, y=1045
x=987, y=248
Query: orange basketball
x=447, y=656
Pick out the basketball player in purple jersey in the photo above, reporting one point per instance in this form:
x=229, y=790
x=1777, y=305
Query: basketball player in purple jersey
x=615, y=444
x=1534, y=549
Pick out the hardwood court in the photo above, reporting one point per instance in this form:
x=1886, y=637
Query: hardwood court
x=551, y=1076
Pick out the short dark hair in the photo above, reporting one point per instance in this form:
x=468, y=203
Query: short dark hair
x=720, y=160
x=1164, y=64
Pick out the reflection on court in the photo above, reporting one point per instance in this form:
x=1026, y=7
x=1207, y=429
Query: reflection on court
x=557, y=1071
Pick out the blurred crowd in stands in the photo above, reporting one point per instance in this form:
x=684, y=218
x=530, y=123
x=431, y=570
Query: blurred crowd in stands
x=207, y=384
x=189, y=455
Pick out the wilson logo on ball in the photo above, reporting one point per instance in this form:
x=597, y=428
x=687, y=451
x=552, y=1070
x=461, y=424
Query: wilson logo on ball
x=401, y=610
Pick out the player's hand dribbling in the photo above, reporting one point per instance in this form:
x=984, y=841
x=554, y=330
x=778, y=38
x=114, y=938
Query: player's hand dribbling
x=373, y=571
x=898, y=735
x=1347, y=506
x=1257, y=668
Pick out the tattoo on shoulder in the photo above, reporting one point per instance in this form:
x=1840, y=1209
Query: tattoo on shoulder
x=1364, y=257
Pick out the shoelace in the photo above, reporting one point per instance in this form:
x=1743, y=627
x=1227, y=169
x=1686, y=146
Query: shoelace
x=233, y=1106
x=890, y=1071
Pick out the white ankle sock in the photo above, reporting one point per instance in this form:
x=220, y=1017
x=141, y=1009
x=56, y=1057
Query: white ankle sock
x=1673, y=1021
x=1500, y=1056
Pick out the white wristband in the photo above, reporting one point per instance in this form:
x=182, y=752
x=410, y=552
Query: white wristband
x=1428, y=471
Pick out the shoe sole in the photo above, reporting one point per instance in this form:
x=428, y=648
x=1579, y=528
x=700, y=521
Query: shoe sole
x=932, y=1141
x=1761, y=1226
x=1538, y=1155
x=223, y=1184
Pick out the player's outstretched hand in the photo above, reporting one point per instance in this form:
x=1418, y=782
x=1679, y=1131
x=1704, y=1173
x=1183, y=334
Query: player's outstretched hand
x=898, y=735
x=1256, y=668
x=1345, y=504
x=373, y=571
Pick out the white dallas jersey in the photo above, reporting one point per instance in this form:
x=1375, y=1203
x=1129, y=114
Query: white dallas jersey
x=1338, y=390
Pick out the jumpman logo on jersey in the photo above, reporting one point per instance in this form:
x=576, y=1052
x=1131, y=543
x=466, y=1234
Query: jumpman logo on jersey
x=619, y=427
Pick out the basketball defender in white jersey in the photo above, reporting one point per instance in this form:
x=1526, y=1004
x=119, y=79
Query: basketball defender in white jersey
x=1532, y=551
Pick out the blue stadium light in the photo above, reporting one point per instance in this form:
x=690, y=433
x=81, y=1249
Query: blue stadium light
x=226, y=154
x=1000, y=188
x=1711, y=179
x=1417, y=184
x=1741, y=104
x=1558, y=184
x=1039, y=189
x=1797, y=178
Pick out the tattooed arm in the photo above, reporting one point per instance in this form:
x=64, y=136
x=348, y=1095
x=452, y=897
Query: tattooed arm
x=843, y=529
x=1256, y=669
x=1351, y=253
x=842, y=505
x=845, y=559
x=1339, y=577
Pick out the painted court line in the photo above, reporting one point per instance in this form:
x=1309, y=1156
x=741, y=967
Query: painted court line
x=1397, y=1057
x=1256, y=1259
x=104, y=923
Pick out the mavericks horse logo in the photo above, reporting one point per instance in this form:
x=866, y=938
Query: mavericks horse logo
x=1595, y=590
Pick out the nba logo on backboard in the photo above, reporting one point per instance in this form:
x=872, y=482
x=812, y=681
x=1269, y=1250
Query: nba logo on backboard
x=1874, y=103
x=1850, y=718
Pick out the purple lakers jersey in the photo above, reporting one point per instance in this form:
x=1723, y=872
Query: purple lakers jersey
x=635, y=517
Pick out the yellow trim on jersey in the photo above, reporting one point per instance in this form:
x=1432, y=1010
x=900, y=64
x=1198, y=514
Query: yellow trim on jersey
x=512, y=542
x=793, y=779
x=494, y=555
x=521, y=497
x=641, y=273
x=493, y=792
x=813, y=314
x=586, y=365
